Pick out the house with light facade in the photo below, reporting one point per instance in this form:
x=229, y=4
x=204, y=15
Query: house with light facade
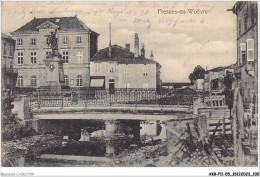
x=118, y=67
x=77, y=43
x=9, y=74
x=214, y=78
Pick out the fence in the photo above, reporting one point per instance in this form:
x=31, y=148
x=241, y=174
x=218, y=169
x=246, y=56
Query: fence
x=120, y=97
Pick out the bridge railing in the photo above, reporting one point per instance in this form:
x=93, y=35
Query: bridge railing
x=99, y=98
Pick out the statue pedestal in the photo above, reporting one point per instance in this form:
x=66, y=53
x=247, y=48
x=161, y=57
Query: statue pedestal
x=54, y=71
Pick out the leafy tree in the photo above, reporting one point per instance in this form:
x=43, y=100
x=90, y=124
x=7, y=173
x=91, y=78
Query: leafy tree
x=198, y=73
x=228, y=80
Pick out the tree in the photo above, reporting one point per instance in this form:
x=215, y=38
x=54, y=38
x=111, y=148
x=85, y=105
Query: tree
x=198, y=73
x=228, y=92
x=228, y=80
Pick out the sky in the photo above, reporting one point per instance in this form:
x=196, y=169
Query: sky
x=182, y=35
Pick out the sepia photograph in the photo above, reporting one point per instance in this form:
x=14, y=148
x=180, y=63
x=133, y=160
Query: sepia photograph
x=129, y=84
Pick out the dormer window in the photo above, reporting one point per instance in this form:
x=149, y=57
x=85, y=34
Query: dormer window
x=57, y=20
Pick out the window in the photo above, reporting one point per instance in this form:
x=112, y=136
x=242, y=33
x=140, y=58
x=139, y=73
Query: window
x=66, y=79
x=239, y=55
x=20, y=58
x=33, y=41
x=97, y=68
x=79, y=56
x=145, y=85
x=252, y=14
x=239, y=28
x=107, y=67
x=19, y=42
x=79, y=81
x=47, y=41
x=245, y=21
x=79, y=40
x=145, y=71
x=115, y=67
x=33, y=57
x=11, y=52
x=65, y=40
x=4, y=48
x=243, y=52
x=33, y=81
x=20, y=81
x=72, y=82
x=250, y=49
x=126, y=73
x=65, y=56
x=112, y=67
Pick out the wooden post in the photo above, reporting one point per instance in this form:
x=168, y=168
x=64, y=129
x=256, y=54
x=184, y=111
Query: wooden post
x=61, y=99
x=238, y=127
x=223, y=126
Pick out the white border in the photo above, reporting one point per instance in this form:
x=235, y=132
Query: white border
x=127, y=171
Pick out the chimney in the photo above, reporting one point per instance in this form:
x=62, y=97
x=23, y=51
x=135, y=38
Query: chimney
x=109, y=48
x=142, y=50
x=136, y=45
x=151, y=57
x=127, y=47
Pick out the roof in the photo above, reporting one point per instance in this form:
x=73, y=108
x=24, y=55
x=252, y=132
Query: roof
x=65, y=24
x=236, y=7
x=6, y=36
x=120, y=55
x=220, y=68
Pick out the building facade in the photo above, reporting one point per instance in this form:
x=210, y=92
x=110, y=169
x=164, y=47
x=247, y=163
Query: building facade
x=9, y=74
x=76, y=43
x=246, y=69
x=124, y=69
x=214, y=78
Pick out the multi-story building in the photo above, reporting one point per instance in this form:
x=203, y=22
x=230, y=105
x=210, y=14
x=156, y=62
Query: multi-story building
x=9, y=75
x=118, y=67
x=214, y=78
x=246, y=69
x=76, y=43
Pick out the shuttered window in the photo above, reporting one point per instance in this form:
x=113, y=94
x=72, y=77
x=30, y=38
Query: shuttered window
x=20, y=81
x=250, y=49
x=243, y=52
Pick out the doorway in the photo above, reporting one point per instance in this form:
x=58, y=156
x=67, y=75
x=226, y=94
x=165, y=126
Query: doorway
x=111, y=85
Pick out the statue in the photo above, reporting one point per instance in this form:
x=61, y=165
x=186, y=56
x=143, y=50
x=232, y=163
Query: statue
x=54, y=63
x=53, y=42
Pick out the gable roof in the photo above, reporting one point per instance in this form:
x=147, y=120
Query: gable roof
x=120, y=55
x=65, y=24
x=220, y=68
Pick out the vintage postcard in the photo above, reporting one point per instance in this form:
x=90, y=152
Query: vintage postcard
x=129, y=84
